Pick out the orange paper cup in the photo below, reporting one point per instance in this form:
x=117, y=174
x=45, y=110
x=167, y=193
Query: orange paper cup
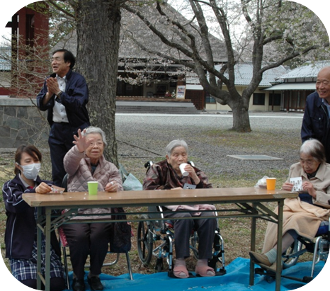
x=271, y=183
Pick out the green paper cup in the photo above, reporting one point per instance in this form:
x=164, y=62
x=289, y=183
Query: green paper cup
x=92, y=187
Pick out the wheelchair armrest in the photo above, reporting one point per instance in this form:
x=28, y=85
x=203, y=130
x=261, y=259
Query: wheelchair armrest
x=148, y=164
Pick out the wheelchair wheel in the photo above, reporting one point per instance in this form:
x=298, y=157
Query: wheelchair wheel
x=144, y=242
x=289, y=259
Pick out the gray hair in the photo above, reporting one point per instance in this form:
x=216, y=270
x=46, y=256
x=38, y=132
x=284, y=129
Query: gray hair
x=314, y=148
x=175, y=143
x=94, y=129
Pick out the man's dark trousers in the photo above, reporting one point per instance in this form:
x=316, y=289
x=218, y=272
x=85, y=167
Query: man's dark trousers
x=60, y=141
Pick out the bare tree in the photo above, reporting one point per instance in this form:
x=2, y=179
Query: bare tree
x=285, y=30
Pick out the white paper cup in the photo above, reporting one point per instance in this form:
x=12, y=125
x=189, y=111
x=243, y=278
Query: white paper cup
x=183, y=172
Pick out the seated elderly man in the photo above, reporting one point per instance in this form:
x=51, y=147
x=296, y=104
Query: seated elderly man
x=304, y=214
x=167, y=175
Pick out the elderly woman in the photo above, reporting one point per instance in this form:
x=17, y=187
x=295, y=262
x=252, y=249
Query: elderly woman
x=85, y=162
x=304, y=214
x=167, y=175
x=21, y=226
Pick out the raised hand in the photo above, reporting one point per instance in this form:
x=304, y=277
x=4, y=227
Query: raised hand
x=81, y=141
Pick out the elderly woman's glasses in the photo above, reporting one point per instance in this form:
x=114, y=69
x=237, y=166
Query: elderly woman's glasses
x=309, y=162
x=96, y=144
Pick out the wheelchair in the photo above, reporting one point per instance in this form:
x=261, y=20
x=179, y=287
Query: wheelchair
x=319, y=247
x=155, y=237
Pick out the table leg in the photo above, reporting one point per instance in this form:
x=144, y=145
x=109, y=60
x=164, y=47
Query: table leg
x=39, y=232
x=279, y=245
x=253, y=245
x=47, y=255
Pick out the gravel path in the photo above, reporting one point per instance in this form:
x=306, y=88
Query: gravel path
x=144, y=136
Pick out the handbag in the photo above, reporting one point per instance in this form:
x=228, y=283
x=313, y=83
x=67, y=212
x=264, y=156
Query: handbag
x=130, y=182
x=120, y=232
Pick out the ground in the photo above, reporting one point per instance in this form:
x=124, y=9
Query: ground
x=143, y=137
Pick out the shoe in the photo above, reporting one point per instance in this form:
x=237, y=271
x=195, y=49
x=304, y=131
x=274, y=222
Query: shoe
x=95, y=283
x=78, y=285
x=204, y=271
x=180, y=272
x=259, y=259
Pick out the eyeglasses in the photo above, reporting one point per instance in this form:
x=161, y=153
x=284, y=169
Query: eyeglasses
x=307, y=162
x=324, y=82
x=96, y=144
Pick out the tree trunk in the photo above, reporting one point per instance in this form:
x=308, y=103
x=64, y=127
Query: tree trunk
x=98, y=28
x=241, y=121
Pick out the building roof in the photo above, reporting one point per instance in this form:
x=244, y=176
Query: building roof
x=244, y=71
x=306, y=72
x=301, y=78
x=132, y=26
x=292, y=86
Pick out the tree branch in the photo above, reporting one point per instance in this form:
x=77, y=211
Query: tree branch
x=55, y=5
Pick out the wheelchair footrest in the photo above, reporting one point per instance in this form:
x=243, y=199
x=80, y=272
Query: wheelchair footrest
x=221, y=272
x=265, y=271
x=271, y=274
x=171, y=275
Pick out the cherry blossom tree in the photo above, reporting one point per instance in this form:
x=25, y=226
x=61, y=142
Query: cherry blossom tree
x=270, y=33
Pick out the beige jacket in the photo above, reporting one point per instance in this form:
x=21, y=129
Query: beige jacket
x=78, y=167
x=321, y=181
x=301, y=216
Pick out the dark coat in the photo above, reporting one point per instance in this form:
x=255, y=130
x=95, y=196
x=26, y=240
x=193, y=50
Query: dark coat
x=21, y=226
x=162, y=176
x=316, y=122
x=74, y=100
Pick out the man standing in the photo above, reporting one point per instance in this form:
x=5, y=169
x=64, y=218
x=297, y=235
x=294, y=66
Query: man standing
x=64, y=95
x=316, y=122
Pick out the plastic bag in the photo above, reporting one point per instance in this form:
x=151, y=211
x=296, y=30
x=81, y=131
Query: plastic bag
x=262, y=182
x=130, y=182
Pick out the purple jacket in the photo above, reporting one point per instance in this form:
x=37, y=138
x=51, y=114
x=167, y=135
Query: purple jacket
x=20, y=231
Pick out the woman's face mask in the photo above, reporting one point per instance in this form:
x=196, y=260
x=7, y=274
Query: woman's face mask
x=31, y=171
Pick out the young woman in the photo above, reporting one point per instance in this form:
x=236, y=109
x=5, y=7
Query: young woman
x=20, y=235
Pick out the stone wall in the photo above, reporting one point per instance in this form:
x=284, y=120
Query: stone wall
x=22, y=123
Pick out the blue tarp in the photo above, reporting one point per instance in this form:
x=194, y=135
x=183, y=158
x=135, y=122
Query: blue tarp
x=236, y=279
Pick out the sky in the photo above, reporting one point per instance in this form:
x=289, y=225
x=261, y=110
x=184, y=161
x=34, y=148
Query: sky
x=6, y=33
